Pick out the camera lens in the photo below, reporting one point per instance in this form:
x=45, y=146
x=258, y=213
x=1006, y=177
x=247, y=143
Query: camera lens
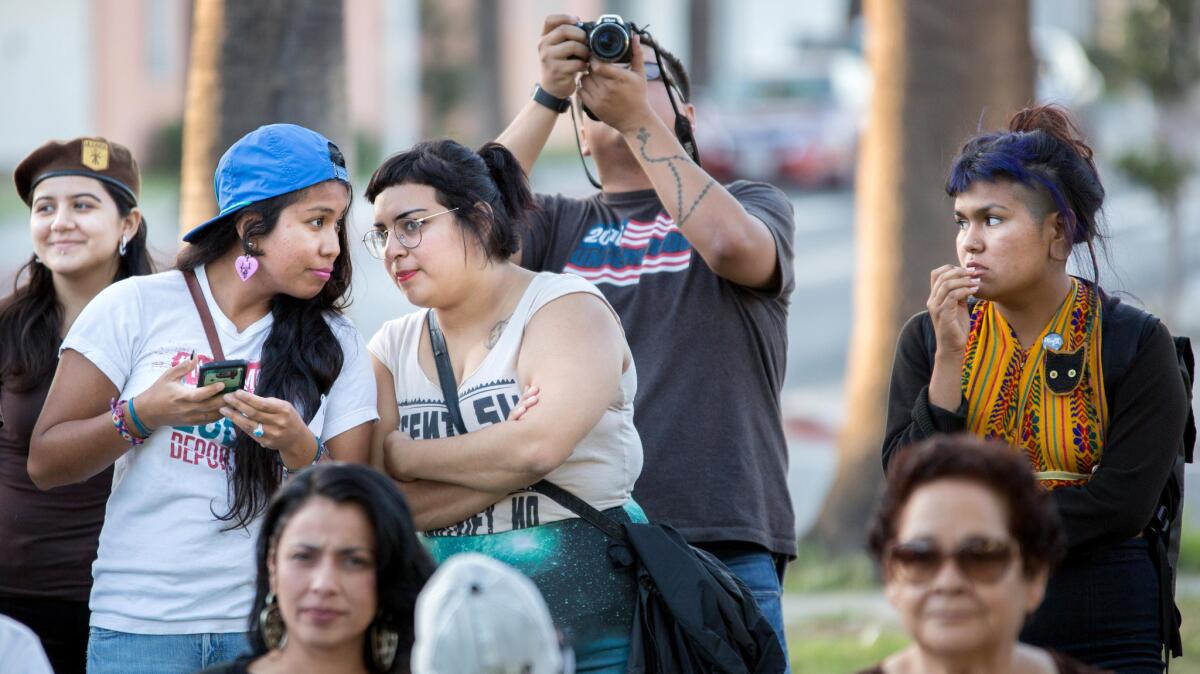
x=609, y=42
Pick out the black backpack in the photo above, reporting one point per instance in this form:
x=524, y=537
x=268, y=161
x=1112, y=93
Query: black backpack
x=692, y=614
x=1124, y=328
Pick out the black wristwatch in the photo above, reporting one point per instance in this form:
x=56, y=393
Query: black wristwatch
x=559, y=105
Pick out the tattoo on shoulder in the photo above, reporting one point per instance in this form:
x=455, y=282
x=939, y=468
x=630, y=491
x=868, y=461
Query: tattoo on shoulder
x=497, y=330
x=643, y=139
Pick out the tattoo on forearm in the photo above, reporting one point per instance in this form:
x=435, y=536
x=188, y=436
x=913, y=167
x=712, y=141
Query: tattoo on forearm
x=644, y=138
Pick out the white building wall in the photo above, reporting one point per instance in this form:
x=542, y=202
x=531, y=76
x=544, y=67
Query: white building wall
x=43, y=48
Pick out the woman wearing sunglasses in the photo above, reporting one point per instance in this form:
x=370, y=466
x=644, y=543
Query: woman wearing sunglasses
x=447, y=221
x=1015, y=348
x=966, y=540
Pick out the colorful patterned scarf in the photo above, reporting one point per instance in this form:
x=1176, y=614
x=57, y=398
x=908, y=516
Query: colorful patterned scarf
x=1049, y=399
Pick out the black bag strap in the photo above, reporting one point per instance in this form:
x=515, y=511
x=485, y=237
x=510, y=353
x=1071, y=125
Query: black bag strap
x=441, y=357
x=206, y=319
x=580, y=507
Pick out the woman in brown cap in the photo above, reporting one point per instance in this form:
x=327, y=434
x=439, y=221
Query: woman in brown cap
x=87, y=233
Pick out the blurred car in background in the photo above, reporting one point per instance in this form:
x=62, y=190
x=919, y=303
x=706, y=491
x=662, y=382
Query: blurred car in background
x=792, y=129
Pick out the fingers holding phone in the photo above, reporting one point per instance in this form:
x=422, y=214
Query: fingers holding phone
x=170, y=402
x=273, y=423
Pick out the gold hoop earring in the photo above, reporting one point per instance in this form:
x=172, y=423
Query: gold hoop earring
x=271, y=625
x=384, y=644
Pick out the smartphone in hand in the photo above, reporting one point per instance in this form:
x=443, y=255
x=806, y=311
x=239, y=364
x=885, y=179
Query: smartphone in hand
x=232, y=373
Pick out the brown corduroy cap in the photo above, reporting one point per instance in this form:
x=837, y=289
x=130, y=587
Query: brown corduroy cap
x=108, y=162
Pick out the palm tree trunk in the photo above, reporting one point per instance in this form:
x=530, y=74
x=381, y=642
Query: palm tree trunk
x=941, y=69
x=255, y=63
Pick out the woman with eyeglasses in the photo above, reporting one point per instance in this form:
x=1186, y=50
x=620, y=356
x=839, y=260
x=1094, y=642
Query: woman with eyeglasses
x=446, y=224
x=1013, y=347
x=966, y=539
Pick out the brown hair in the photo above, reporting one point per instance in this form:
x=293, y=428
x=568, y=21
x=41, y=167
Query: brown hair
x=1033, y=520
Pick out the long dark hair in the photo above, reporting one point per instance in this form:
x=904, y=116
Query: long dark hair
x=462, y=179
x=401, y=563
x=300, y=359
x=1043, y=150
x=31, y=317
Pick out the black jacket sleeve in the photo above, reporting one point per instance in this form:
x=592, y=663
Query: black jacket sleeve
x=1145, y=428
x=910, y=417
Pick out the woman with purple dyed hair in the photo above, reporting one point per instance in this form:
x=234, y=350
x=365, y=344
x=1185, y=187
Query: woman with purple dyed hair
x=1015, y=348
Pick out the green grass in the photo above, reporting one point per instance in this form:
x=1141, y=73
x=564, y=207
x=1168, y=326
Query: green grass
x=1190, y=662
x=840, y=644
x=815, y=570
x=1189, y=551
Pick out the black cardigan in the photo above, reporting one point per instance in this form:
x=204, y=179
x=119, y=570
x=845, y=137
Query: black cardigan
x=1147, y=410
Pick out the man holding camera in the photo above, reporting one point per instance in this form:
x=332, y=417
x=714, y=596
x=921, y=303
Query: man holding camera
x=700, y=274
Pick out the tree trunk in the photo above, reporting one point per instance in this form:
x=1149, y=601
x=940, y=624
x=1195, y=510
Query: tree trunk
x=256, y=63
x=942, y=69
x=700, y=20
x=488, y=91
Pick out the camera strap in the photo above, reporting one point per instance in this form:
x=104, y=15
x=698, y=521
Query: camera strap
x=206, y=319
x=683, y=127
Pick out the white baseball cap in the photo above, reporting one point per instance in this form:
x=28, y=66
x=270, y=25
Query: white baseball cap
x=479, y=616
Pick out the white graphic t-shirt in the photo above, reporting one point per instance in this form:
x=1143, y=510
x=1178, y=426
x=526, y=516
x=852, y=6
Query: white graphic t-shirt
x=165, y=565
x=603, y=466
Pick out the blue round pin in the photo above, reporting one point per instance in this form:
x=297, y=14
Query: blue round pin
x=1052, y=341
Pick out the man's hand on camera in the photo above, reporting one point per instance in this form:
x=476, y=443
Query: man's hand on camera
x=562, y=53
x=616, y=94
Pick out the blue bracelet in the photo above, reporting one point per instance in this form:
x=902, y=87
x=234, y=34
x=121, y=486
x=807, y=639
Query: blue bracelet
x=137, y=423
x=320, y=452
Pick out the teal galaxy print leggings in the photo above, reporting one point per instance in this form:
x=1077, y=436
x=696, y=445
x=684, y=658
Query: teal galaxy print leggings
x=591, y=602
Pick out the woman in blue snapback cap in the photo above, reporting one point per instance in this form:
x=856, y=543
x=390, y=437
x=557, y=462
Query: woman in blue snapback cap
x=262, y=283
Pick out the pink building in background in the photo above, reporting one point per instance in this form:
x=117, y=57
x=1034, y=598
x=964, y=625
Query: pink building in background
x=118, y=67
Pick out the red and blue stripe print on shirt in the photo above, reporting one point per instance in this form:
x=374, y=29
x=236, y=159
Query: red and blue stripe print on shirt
x=621, y=253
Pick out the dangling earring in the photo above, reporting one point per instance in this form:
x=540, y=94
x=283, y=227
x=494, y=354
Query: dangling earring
x=246, y=264
x=124, y=245
x=271, y=625
x=36, y=259
x=384, y=643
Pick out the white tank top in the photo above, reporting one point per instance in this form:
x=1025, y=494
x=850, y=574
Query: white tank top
x=603, y=466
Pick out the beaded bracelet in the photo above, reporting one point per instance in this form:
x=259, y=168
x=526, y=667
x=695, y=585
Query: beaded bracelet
x=118, y=421
x=320, y=452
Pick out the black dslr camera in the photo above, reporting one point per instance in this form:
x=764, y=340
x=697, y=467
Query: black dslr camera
x=609, y=38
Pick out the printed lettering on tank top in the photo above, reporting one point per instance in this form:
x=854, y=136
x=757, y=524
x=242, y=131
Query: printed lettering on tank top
x=204, y=447
x=620, y=253
x=484, y=404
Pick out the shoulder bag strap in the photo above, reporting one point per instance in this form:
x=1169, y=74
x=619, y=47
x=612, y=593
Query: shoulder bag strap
x=441, y=357
x=206, y=319
x=580, y=507
x=566, y=499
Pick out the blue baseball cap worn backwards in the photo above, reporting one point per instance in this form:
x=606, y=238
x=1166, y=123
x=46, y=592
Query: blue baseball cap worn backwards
x=270, y=161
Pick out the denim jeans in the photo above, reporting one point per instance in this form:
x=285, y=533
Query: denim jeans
x=112, y=652
x=762, y=572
